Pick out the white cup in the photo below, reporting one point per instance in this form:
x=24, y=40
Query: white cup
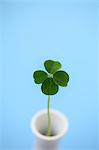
x=39, y=124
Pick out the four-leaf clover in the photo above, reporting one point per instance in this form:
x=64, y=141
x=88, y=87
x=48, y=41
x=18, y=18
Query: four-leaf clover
x=52, y=79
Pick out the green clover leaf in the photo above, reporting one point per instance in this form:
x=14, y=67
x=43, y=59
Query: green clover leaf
x=49, y=87
x=39, y=76
x=61, y=78
x=52, y=66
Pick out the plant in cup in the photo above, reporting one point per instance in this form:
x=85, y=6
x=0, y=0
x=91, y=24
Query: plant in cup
x=50, y=82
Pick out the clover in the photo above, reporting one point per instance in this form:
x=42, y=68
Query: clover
x=50, y=81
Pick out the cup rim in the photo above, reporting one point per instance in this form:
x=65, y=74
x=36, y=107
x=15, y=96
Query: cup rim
x=43, y=137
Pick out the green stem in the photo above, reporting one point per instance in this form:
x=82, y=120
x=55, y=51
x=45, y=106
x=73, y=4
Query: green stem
x=49, y=117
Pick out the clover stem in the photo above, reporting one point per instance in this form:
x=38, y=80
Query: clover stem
x=49, y=117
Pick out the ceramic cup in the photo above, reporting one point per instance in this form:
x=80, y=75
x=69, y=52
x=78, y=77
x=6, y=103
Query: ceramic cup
x=39, y=125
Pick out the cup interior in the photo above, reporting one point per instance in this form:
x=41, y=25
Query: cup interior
x=59, y=123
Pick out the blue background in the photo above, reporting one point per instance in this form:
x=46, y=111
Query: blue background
x=31, y=32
